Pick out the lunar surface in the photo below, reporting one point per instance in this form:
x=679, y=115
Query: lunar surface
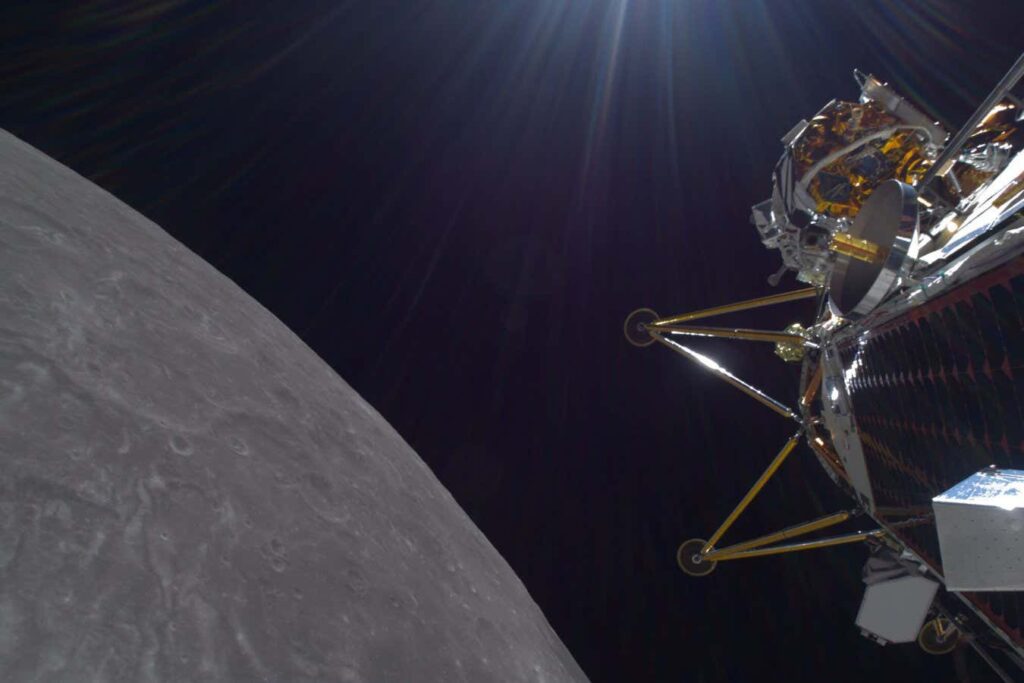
x=188, y=493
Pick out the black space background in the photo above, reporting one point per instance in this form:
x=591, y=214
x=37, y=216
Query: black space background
x=456, y=203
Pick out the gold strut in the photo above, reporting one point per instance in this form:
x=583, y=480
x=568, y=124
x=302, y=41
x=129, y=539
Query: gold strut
x=756, y=547
x=795, y=295
x=807, y=545
x=843, y=243
x=732, y=333
x=791, y=532
x=812, y=386
x=819, y=446
x=775, y=464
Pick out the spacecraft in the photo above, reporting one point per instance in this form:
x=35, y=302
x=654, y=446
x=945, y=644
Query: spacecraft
x=911, y=241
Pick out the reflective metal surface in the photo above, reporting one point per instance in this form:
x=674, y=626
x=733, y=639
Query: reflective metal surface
x=980, y=524
x=1004, y=244
x=710, y=364
x=934, y=378
x=837, y=412
x=989, y=209
x=895, y=610
x=951, y=150
x=785, y=337
x=913, y=366
x=888, y=218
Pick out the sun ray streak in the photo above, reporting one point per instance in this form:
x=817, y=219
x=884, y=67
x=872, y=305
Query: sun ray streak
x=604, y=89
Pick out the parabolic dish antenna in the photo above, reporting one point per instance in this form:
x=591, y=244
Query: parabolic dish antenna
x=888, y=219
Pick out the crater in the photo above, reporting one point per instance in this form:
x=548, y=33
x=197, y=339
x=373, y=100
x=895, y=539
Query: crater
x=239, y=446
x=181, y=445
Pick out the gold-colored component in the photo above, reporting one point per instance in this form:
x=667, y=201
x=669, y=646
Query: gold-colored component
x=791, y=532
x=690, y=560
x=752, y=493
x=794, y=295
x=635, y=327
x=825, y=452
x=813, y=386
x=807, y=545
x=695, y=564
x=789, y=336
x=857, y=248
x=698, y=560
x=938, y=636
x=725, y=375
x=848, y=149
x=696, y=556
x=792, y=350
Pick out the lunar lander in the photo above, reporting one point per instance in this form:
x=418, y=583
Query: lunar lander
x=912, y=384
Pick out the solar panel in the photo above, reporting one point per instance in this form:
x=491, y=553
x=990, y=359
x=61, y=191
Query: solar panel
x=938, y=394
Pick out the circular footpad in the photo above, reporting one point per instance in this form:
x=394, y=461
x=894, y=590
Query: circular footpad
x=636, y=324
x=938, y=636
x=690, y=561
